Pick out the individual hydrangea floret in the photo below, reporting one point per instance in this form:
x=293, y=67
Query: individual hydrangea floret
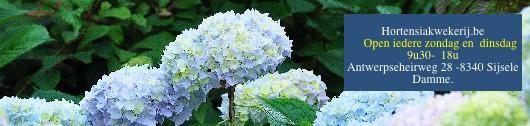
x=137, y=95
x=428, y=114
x=34, y=111
x=300, y=84
x=367, y=108
x=488, y=109
x=244, y=46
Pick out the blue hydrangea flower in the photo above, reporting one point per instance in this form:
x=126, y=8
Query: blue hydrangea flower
x=137, y=95
x=186, y=62
x=34, y=111
x=367, y=108
x=428, y=114
x=244, y=46
x=299, y=83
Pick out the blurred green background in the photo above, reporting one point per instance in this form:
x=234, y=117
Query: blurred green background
x=60, y=48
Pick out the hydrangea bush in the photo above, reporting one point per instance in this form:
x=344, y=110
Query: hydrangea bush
x=297, y=83
x=137, y=95
x=367, y=107
x=34, y=111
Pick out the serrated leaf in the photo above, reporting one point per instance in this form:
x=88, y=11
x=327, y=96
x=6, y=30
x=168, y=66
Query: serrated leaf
x=51, y=95
x=84, y=56
x=329, y=24
x=310, y=49
x=300, y=6
x=139, y=60
x=289, y=111
x=155, y=55
x=124, y=55
x=139, y=20
x=388, y=10
x=46, y=80
x=333, y=60
x=276, y=10
x=119, y=13
x=92, y=33
x=116, y=34
x=74, y=19
x=155, y=20
x=19, y=40
x=155, y=42
x=185, y=4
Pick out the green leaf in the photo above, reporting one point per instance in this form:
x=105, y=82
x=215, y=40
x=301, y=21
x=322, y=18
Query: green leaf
x=287, y=65
x=139, y=20
x=163, y=3
x=139, y=60
x=74, y=19
x=155, y=42
x=7, y=9
x=277, y=10
x=92, y=33
x=19, y=40
x=116, y=34
x=185, y=4
x=206, y=114
x=142, y=9
x=51, y=95
x=283, y=111
x=49, y=61
x=119, y=13
x=329, y=24
x=300, y=6
x=333, y=60
x=84, y=56
x=181, y=25
x=124, y=55
x=388, y=10
x=310, y=49
x=46, y=80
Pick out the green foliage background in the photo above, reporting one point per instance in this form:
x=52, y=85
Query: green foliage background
x=60, y=48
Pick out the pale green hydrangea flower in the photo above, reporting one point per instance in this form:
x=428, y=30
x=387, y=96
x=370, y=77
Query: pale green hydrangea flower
x=299, y=83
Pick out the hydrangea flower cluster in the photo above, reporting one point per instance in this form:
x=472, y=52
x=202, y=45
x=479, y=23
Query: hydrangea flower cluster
x=34, y=111
x=3, y=118
x=136, y=95
x=299, y=83
x=428, y=114
x=186, y=61
x=488, y=109
x=244, y=46
x=362, y=108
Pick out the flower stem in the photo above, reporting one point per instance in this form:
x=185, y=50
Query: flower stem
x=231, y=105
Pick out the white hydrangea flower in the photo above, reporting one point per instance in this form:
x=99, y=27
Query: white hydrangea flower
x=137, y=95
x=34, y=111
x=299, y=83
x=244, y=46
x=367, y=108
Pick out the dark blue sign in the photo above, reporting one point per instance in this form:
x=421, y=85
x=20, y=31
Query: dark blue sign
x=432, y=52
